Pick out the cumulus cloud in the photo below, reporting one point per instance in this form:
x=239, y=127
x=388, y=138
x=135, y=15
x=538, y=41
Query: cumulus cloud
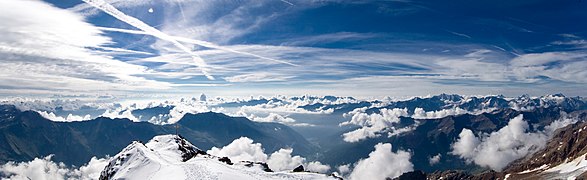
x=382, y=163
x=93, y=168
x=241, y=149
x=316, y=166
x=419, y=113
x=244, y=149
x=372, y=125
x=272, y=117
x=282, y=160
x=344, y=170
x=466, y=145
x=46, y=169
x=434, y=159
x=120, y=112
x=498, y=149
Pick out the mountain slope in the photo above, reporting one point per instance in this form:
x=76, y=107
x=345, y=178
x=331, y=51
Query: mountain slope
x=172, y=157
x=433, y=137
x=564, y=157
x=26, y=135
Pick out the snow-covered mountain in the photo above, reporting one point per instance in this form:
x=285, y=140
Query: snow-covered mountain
x=172, y=157
x=453, y=101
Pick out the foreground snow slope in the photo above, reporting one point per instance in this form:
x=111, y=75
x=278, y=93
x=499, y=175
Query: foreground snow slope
x=172, y=157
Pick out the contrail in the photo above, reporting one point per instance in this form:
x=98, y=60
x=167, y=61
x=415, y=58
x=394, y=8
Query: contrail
x=111, y=10
x=181, y=10
x=197, y=42
x=459, y=34
x=287, y=2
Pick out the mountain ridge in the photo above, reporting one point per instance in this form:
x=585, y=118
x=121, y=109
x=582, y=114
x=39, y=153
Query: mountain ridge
x=26, y=135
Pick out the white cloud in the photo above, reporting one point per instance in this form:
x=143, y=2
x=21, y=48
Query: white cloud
x=569, y=66
x=258, y=77
x=498, y=149
x=419, y=113
x=241, y=149
x=474, y=69
x=316, y=166
x=282, y=160
x=92, y=169
x=58, y=53
x=244, y=149
x=466, y=145
x=114, y=12
x=372, y=125
x=344, y=170
x=284, y=107
x=51, y=116
x=46, y=169
x=434, y=159
x=120, y=113
x=383, y=163
x=272, y=117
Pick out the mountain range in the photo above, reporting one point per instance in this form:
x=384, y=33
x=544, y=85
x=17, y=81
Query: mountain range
x=26, y=135
x=429, y=140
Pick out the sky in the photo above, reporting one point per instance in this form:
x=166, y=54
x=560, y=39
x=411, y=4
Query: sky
x=167, y=48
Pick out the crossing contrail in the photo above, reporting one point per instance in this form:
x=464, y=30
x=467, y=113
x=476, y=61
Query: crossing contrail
x=197, y=42
x=111, y=10
x=287, y=2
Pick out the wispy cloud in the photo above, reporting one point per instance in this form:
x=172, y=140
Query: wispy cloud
x=459, y=34
x=198, y=42
x=109, y=9
x=258, y=77
x=58, y=54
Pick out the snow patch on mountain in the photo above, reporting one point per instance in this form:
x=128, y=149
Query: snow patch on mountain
x=570, y=169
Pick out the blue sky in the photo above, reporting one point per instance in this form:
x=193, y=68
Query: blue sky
x=241, y=48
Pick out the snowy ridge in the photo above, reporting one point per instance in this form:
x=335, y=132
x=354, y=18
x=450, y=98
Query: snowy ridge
x=172, y=157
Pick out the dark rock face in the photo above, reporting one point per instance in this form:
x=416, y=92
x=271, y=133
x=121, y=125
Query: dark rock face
x=449, y=175
x=299, y=169
x=187, y=151
x=225, y=160
x=414, y=175
x=263, y=165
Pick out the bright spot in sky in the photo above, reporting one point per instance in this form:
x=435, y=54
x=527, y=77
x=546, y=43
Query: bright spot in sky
x=150, y=10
